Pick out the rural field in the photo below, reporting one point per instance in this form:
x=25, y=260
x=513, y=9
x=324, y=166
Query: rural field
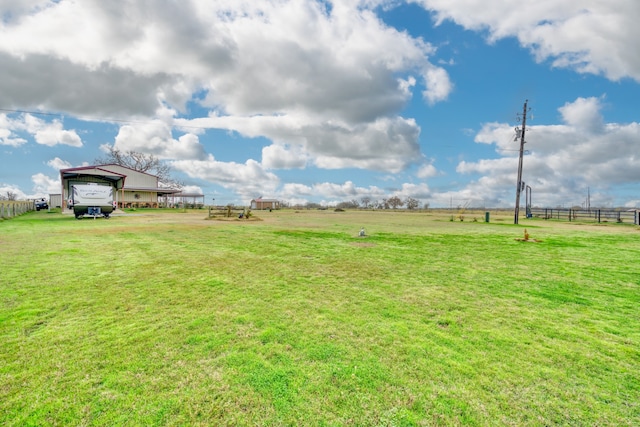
x=156, y=318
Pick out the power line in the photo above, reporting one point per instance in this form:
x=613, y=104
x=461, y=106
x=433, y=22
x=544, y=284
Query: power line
x=100, y=119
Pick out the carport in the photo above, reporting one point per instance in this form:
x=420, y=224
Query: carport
x=84, y=175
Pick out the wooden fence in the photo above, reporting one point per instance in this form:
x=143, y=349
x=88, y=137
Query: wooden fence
x=588, y=215
x=11, y=209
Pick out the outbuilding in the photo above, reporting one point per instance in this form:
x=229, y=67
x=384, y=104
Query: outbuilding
x=260, y=204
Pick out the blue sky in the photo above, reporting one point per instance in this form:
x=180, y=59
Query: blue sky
x=320, y=101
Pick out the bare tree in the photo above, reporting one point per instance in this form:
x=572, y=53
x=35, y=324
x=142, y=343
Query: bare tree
x=411, y=203
x=366, y=201
x=11, y=196
x=353, y=204
x=395, y=202
x=140, y=162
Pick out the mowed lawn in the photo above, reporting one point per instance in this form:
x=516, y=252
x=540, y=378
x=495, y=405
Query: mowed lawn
x=165, y=318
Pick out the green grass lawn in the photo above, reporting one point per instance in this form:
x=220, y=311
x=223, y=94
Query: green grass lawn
x=170, y=319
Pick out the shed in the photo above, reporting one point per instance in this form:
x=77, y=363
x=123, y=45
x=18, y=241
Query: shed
x=55, y=200
x=261, y=203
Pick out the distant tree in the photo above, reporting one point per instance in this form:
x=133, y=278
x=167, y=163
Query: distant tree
x=312, y=205
x=352, y=204
x=366, y=201
x=140, y=162
x=426, y=206
x=411, y=203
x=11, y=196
x=395, y=202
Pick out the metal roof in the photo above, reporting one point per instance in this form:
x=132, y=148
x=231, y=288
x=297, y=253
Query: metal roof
x=114, y=177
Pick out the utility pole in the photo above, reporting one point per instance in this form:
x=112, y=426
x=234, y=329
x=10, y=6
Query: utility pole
x=520, y=132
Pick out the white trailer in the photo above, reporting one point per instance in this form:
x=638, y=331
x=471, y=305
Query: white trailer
x=91, y=199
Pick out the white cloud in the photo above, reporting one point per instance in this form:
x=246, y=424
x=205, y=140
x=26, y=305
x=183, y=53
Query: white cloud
x=45, y=133
x=9, y=188
x=44, y=185
x=386, y=144
x=53, y=134
x=284, y=156
x=156, y=138
x=564, y=159
x=583, y=113
x=330, y=193
x=7, y=138
x=191, y=189
x=427, y=171
x=591, y=36
x=416, y=191
x=333, y=79
x=58, y=164
x=248, y=180
x=251, y=57
x=439, y=85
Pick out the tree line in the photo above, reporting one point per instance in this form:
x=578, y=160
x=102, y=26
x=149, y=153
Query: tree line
x=393, y=202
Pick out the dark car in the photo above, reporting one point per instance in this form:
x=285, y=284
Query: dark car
x=41, y=204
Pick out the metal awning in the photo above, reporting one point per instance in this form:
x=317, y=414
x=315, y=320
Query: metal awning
x=115, y=178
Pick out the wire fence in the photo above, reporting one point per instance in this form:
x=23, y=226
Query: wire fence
x=588, y=215
x=11, y=209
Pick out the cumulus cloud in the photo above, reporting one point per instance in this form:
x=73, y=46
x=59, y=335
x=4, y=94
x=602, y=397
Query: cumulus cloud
x=156, y=138
x=52, y=133
x=248, y=180
x=6, y=189
x=249, y=57
x=333, y=193
x=438, y=84
x=342, y=66
x=284, y=156
x=324, y=82
x=57, y=164
x=7, y=132
x=44, y=133
x=44, y=185
x=191, y=189
x=427, y=171
x=589, y=37
x=563, y=160
x=387, y=144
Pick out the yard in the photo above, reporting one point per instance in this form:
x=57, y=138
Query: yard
x=164, y=318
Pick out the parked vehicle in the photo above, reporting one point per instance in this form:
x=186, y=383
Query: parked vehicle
x=91, y=199
x=41, y=204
